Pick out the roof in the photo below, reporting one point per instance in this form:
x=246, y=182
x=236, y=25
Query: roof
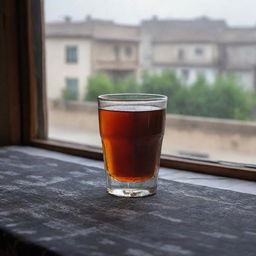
x=116, y=32
x=68, y=29
x=240, y=35
x=192, y=30
x=161, y=31
x=101, y=30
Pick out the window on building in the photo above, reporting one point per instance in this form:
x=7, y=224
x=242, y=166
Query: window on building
x=200, y=73
x=199, y=51
x=71, y=88
x=128, y=51
x=185, y=74
x=181, y=54
x=116, y=51
x=71, y=54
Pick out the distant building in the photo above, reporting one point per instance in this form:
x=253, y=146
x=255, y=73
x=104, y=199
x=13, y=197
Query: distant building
x=115, y=50
x=198, y=47
x=190, y=47
x=68, y=57
x=239, y=54
x=74, y=51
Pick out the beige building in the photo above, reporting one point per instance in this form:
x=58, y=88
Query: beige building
x=195, y=47
x=199, y=47
x=68, y=58
x=189, y=47
x=74, y=51
x=115, y=50
x=239, y=55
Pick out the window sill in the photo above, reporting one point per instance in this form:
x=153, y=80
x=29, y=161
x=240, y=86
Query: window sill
x=199, y=166
x=213, y=181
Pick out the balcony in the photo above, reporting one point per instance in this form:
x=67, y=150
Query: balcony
x=116, y=65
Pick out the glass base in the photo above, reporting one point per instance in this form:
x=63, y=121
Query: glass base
x=131, y=189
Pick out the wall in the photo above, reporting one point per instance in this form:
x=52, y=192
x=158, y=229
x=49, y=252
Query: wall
x=168, y=53
x=57, y=69
x=246, y=54
x=241, y=60
x=209, y=73
x=104, y=51
x=104, y=55
x=145, y=51
x=113, y=31
x=160, y=56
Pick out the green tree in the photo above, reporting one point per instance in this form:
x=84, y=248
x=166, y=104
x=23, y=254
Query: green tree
x=99, y=84
x=128, y=85
x=67, y=94
x=169, y=84
x=103, y=84
x=197, y=100
x=229, y=99
x=225, y=98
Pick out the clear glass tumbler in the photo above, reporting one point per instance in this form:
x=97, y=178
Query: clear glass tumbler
x=132, y=128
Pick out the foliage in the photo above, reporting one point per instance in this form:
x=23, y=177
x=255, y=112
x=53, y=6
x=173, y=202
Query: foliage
x=166, y=83
x=68, y=95
x=99, y=84
x=225, y=98
x=229, y=99
x=127, y=85
x=103, y=84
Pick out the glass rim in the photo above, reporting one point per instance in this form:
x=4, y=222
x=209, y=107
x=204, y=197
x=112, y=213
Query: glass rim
x=132, y=97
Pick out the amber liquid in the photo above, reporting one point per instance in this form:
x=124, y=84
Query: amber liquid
x=132, y=138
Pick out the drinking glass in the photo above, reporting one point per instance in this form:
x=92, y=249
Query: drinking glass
x=132, y=128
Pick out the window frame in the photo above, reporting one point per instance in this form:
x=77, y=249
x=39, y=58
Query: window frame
x=199, y=52
x=68, y=82
x=128, y=51
x=185, y=74
x=68, y=58
x=33, y=105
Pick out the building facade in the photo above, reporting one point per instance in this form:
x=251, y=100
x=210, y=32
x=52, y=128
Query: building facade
x=192, y=48
x=68, y=58
x=239, y=56
x=199, y=47
x=189, y=47
x=115, y=50
x=63, y=73
x=75, y=51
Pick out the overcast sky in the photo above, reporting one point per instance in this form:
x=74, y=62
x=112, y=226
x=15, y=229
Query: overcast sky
x=235, y=12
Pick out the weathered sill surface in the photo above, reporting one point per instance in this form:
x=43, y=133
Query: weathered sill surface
x=53, y=207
